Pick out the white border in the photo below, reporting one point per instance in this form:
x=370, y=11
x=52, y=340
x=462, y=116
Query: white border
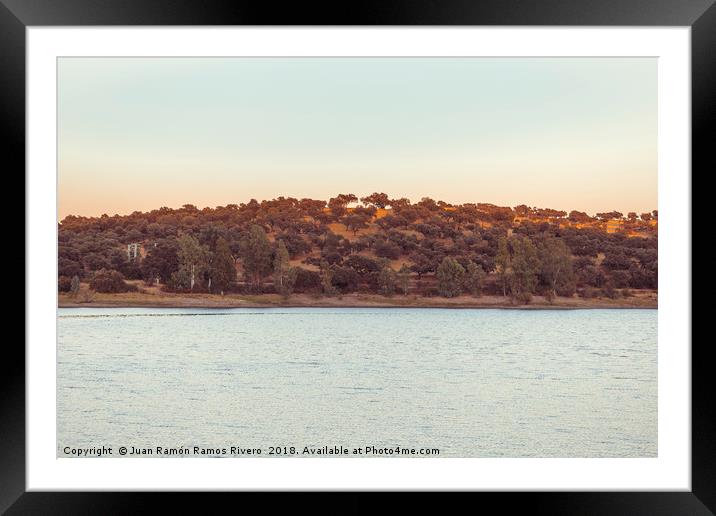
x=671, y=470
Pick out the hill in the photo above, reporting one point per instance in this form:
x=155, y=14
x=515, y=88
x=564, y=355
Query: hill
x=380, y=246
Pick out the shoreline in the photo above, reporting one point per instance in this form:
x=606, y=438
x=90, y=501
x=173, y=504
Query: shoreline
x=426, y=307
x=167, y=300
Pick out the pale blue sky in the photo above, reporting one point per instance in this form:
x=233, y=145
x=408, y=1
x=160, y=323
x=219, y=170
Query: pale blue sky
x=565, y=133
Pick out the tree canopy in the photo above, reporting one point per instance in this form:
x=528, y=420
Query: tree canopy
x=383, y=245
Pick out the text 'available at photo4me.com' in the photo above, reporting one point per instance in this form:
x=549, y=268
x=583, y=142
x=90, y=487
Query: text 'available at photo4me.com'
x=241, y=451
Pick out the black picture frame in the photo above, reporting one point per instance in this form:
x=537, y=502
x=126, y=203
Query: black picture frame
x=17, y=15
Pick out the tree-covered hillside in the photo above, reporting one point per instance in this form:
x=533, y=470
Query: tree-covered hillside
x=374, y=244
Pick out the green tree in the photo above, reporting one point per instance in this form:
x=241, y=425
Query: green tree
x=285, y=276
x=474, y=277
x=223, y=269
x=193, y=263
x=338, y=204
x=356, y=221
x=256, y=256
x=404, y=279
x=556, y=270
x=503, y=264
x=75, y=286
x=525, y=268
x=161, y=261
x=379, y=200
x=450, y=276
x=386, y=281
x=327, y=279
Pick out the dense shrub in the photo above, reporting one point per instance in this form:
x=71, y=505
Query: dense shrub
x=295, y=243
x=387, y=250
x=362, y=264
x=64, y=284
x=110, y=282
x=69, y=268
x=609, y=291
x=345, y=279
x=620, y=278
x=331, y=255
x=307, y=281
x=588, y=292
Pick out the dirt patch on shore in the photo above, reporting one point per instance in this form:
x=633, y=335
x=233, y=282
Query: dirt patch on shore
x=157, y=298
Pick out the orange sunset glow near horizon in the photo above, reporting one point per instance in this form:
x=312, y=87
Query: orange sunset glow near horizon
x=137, y=134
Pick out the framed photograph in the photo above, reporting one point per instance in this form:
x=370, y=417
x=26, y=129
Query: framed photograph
x=414, y=250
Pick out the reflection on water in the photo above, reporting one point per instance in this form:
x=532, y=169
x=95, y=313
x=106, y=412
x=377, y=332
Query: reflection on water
x=473, y=383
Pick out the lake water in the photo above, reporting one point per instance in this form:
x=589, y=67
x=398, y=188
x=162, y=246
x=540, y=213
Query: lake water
x=471, y=383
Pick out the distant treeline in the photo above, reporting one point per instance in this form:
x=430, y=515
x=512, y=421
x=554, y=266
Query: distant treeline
x=382, y=245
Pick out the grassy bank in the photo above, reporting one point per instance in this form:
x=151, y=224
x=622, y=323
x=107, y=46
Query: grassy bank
x=157, y=298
